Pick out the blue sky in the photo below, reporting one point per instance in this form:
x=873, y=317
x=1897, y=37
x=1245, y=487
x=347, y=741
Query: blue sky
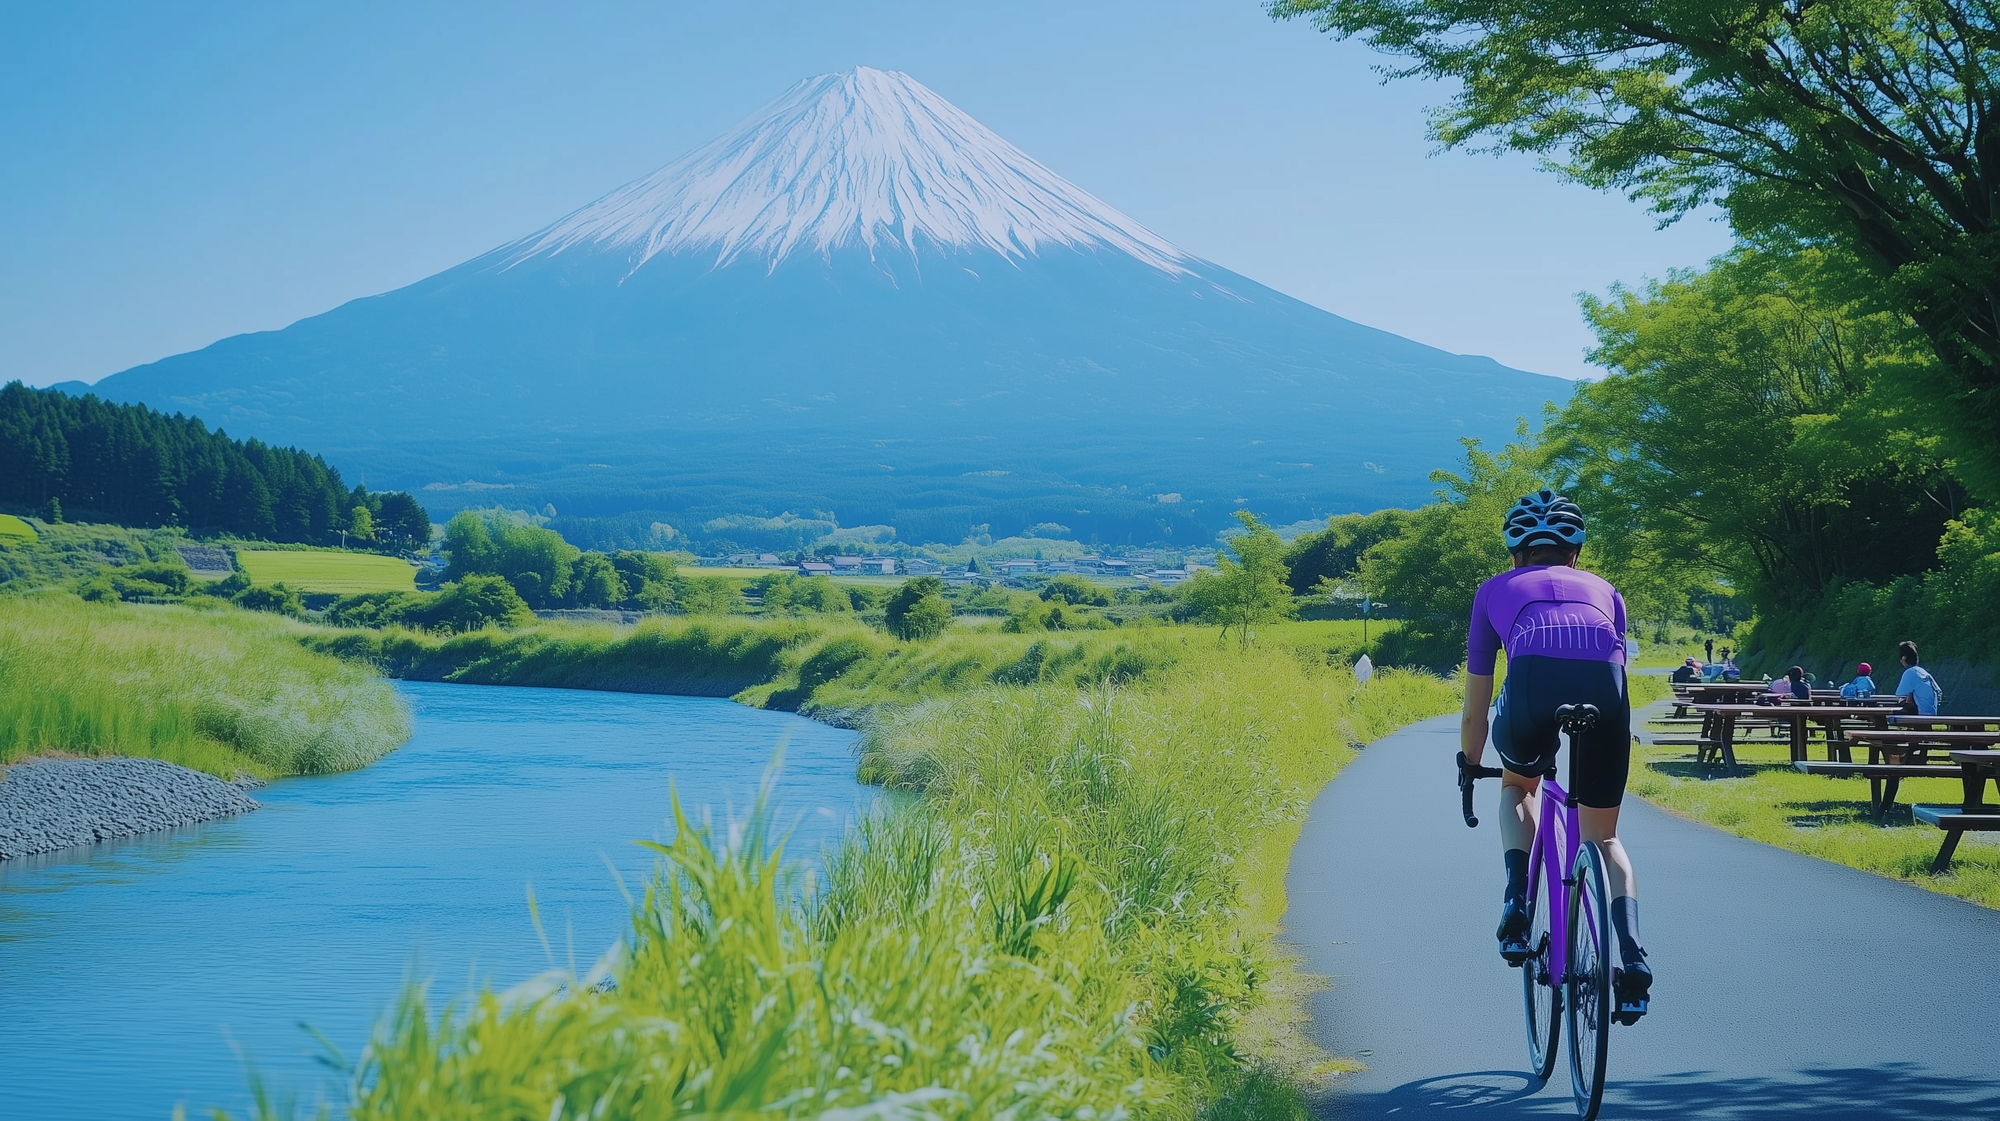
x=173, y=174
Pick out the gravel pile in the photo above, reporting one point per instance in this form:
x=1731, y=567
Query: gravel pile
x=55, y=803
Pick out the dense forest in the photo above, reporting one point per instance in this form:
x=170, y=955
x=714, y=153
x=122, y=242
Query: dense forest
x=135, y=466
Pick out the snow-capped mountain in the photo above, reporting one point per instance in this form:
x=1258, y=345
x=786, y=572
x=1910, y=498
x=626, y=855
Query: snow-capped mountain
x=865, y=159
x=863, y=302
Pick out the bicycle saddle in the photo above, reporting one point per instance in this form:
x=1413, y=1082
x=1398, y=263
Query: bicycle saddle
x=1577, y=718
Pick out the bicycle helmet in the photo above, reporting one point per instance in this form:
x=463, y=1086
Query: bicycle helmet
x=1543, y=518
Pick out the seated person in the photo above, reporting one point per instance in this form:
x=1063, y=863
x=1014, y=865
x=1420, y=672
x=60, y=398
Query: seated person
x=1729, y=670
x=1792, y=686
x=1920, y=691
x=1687, y=674
x=1861, y=688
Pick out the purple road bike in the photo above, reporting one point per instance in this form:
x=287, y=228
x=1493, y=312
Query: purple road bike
x=1567, y=978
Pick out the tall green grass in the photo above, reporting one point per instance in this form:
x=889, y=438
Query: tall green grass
x=1072, y=918
x=219, y=690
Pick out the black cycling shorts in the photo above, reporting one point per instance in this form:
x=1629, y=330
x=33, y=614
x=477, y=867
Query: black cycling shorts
x=1526, y=733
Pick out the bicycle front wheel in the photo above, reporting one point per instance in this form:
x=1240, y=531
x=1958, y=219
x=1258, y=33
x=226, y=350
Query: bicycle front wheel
x=1588, y=997
x=1541, y=990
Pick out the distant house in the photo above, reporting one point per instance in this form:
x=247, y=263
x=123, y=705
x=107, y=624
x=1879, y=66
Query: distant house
x=848, y=565
x=879, y=566
x=815, y=568
x=1089, y=562
x=1017, y=567
x=769, y=560
x=918, y=566
x=1169, y=576
x=1117, y=567
x=1058, y=566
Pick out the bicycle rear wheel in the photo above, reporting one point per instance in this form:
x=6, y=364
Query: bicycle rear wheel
x=1541, y=992
x=1588, y=1000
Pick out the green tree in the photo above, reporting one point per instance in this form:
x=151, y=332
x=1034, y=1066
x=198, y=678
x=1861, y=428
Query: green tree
x=820, y=594
x=708, y=595
x=402, y=520
x=536, y=561
x=1430, y=573
x=648, y=578
x=1334, y=553
x=918, y=610
x=595, y=582
x=1246, y=590
x=1862, y=124
x=361, y=524
x=1749, y=433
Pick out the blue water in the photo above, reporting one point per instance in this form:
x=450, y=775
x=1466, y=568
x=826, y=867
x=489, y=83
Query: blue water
x=131, y=971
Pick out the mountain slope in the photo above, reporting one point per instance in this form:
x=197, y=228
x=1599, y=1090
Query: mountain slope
x=862, y=302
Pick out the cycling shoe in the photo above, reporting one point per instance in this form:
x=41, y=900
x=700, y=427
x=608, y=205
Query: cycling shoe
x=1630, y=987
x=1513, y=932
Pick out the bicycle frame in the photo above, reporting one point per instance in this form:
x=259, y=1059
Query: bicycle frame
x=1556, y=832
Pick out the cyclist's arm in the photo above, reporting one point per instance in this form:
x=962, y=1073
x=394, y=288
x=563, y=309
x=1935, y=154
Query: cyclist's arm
x=1472, y=723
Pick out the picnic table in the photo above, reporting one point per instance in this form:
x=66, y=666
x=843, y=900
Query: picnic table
x=1718, y=732
x=1688, y=694
x=1912, y=736
x=1974, y=814
x=1942, y=723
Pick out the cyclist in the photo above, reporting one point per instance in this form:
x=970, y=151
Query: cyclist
x=1564, y=633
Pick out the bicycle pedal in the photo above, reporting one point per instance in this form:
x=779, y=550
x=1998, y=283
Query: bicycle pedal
x=1629, y=1013
x=1516, y=954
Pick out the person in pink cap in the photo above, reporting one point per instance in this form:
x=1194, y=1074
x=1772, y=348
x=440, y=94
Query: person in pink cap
x=1861, y=687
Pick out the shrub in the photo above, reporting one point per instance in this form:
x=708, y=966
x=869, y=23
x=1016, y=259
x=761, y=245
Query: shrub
x=474, y=602
x=274, y=597
x=918, y=610
x=1077, y=590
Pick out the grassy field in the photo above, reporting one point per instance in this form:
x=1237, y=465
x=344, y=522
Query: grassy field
x=331, y=572
x=217, y=690
x=1073, y=918
x=14, y=529
x=735, y=573
x=1819, y=816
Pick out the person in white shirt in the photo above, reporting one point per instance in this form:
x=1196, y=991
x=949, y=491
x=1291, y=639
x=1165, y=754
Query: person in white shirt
x=1919, y=690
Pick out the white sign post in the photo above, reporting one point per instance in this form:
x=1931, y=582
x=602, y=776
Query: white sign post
x=1363, y=670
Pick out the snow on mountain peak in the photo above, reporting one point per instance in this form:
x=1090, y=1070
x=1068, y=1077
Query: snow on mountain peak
x=865, y=158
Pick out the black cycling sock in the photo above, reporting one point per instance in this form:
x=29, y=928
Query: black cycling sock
x=1625, y=920
x=1517, y=873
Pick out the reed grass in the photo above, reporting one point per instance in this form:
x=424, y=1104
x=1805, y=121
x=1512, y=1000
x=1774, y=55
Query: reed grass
x=1073, y=917
x=220, y=691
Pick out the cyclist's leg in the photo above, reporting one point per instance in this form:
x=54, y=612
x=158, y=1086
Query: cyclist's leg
x=1524, y=736
x=1598, y=774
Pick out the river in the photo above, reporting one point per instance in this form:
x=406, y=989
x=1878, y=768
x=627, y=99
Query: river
x=133, y=972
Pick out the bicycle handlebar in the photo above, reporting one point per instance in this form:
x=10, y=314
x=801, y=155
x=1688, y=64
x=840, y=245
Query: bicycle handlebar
x=1466, y=774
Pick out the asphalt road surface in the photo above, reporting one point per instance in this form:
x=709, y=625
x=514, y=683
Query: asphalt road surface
x=1786, y=987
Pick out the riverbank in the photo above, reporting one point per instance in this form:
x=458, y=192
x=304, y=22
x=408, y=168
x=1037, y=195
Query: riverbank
x=50, y=804
x=216, y=690
x=1087, y=880
x=831, y=668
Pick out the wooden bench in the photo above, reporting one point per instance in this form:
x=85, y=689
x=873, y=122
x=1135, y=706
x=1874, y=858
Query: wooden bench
x=1883, y=778
x=1956, y=821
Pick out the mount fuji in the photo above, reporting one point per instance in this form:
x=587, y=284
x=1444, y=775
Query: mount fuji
x=859, y=305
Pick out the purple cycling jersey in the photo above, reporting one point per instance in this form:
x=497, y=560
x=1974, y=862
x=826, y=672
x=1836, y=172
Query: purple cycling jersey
x=1549, y=610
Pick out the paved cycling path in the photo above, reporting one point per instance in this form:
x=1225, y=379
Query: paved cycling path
x=1787, y=987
